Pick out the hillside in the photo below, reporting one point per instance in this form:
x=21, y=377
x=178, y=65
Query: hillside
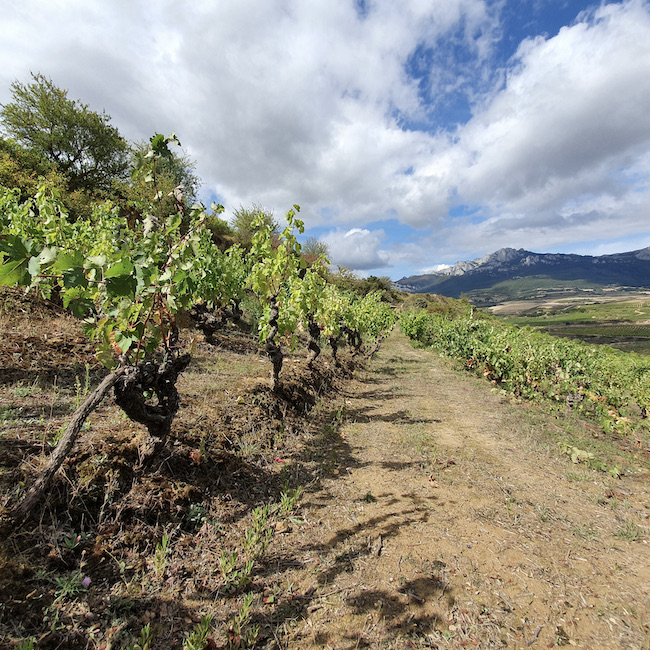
x=409, y=506
x=517, y=274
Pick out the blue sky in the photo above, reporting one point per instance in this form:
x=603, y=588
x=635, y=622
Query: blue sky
x=412, y=133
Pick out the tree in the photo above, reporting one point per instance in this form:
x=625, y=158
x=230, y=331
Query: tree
x=222, y=233
x=81, y=143
x=314, y=248
x=174, y=175
x=25, y=169
x=21, y=168
x=243, y=223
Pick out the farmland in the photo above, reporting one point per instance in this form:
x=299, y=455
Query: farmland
x=615, y=319
x=361, y=505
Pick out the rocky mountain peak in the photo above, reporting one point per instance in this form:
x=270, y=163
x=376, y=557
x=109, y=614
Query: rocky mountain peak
x=631, y=269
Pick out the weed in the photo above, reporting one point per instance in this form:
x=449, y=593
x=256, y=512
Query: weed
x=52, y=617
x=144, y=640
x=236, y=571
x=279, y=436
x=199, y=636
x=120, y=605
x=577, y=455
x=241, y=634
x=58, y=434
x=196, y=515
x=233, y=574
x=258, y=536
x=510, y=502
x=72, y=542
x=574, y=476
x=161, y=557
x=27, y=644
x=23, y=391
x=631, y=532
x=288, y=502
x=82, y=390
x=585, y=531
x=68, y=586
x=336, y=419
x=9, y=413
x=544, y=513
x=248, y=448
x=615, y=471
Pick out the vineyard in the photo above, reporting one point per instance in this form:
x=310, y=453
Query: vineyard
x=146, y=292
x=217, y=442
x=130, y=284
x=621, y=322
x=610, y=387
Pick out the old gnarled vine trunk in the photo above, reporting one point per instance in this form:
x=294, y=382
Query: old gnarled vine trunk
x=138, y=384
x=314, y=336
x=131, y=385
x=209, y=321
x=272, y=349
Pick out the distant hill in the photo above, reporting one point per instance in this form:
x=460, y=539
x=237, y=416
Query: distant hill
x=517, y=274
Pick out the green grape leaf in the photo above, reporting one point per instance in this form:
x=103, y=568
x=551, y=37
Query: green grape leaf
x=96, y=260
x=74, y=277
x=124, y=342
x=120, y=280
x=17, y=247
x=34, y=266
x=66, y=261
x=121, y=285
x=123, y=267
x=76, y=302
x=14, y=272
x=48, y=255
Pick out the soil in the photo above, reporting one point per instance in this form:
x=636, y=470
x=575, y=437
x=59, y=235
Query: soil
x=434, y=512
x=452, y=523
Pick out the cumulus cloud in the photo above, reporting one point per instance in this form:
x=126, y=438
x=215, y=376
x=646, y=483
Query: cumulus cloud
x=560, y=153
x=279, y=102
x=346, y=112
x=357, y=248
x=574, y=108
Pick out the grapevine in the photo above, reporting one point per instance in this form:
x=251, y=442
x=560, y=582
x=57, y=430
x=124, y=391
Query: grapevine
x=597, y=381
x=273, y=278
x=129, y=279
x=129, y=284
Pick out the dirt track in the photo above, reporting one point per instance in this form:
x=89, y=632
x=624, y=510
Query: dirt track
x=446, y=519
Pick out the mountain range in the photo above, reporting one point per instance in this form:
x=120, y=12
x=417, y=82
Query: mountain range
x=518, y=271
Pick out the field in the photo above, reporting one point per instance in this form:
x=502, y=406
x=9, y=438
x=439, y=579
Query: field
x=620, y=321
x=391, y=503
x=540, y=289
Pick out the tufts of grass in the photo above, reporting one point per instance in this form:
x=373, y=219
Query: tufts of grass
x=630, y=532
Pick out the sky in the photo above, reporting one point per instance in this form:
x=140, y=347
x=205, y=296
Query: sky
x=412, y=133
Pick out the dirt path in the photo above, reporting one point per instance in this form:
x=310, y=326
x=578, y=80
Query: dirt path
x=446, y=519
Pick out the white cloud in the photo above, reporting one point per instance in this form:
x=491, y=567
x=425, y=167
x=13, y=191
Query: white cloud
x=434, y=269
x=280, y=102
x=357, y=248
x=560, y=154
x=286, y=101
x=571, y=119
x=574, y=108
